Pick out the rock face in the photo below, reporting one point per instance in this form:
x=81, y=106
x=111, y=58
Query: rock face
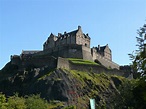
x=70, y=86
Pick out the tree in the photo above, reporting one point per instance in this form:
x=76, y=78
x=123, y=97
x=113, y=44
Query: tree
x=15, y=102
x=3, y=104
x=35, y=102
x=139, y=65
x=139, y=58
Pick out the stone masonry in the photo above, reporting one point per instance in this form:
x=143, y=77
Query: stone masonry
x=74, y=44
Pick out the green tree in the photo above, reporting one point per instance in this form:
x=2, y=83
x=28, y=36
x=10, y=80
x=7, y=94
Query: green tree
x=139, y=66
x=15, y=102
x=3, y=104
x=139, y=58
x=35, y=102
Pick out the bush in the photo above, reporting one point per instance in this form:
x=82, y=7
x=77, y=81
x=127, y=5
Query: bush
x=70, y=107
x=3, y=103
x=35, y=102
x=15, y=102
x=28, y=102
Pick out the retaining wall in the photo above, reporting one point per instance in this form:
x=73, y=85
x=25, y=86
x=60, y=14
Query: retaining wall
x=64, y=63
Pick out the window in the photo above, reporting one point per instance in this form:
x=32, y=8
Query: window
x=85, y=44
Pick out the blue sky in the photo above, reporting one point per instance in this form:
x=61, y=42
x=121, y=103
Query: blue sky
x=26, y=24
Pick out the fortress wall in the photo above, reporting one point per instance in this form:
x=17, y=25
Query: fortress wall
x=107, y=63
x=96, y=69
x=63, y=63
x=86, y=52
x=75, y=51
x=69, y=51
x=87, y=68
x=66, y=51
x=40, y=62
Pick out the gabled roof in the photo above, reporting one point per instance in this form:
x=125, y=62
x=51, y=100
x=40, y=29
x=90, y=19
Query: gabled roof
x=102, y=48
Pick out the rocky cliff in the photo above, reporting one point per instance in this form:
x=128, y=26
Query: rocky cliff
x=72, y=87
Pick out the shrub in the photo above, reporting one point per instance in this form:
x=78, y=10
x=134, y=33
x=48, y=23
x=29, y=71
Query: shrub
x=15, y=102
x=3, y=103
x=35, y=102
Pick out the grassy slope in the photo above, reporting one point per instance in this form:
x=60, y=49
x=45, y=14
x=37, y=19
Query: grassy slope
x=96, y=84
x=91, y=85
x=81, y=61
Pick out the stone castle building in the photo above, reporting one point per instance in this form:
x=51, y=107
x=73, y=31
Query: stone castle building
x=74, y=44
x=75, y=37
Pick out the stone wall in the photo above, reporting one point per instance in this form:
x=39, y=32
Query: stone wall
x=107, y=63
x=36, y=62
x=69, y=51
x=86, y=52
x=40, y=62
x=53, y=62
x=96, y=69
x=64, y=63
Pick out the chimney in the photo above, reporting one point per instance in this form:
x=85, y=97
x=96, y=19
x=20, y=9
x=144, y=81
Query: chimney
x=79, y=27
x=64, y=32
x=99, y=47
x=59, y=34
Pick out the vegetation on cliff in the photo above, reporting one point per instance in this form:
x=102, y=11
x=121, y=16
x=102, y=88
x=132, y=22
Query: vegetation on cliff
x=63, y=88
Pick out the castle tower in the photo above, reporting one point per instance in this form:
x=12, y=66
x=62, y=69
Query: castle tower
x=81, y=38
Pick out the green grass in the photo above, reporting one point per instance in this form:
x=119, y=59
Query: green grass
x=81, y=61
x=102, y=79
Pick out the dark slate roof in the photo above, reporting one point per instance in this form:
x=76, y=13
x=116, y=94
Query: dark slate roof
x=102, y=48
x=72, y=33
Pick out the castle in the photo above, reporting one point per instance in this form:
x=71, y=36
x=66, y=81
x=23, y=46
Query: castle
x=74, y=44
